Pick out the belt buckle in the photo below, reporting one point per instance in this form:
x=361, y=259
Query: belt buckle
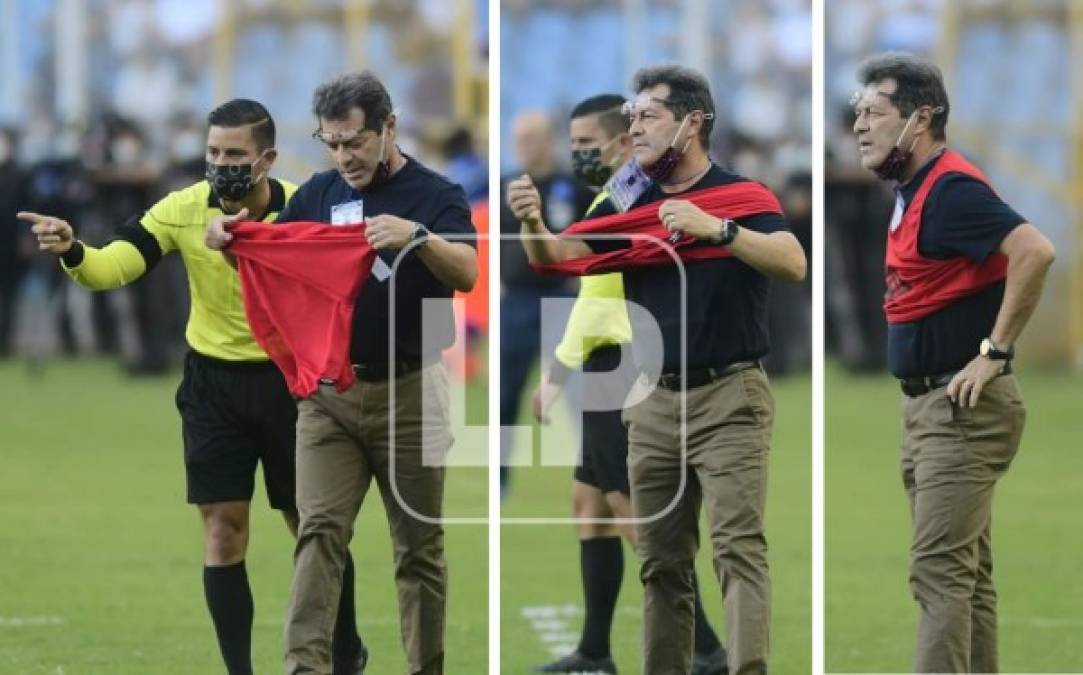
x=674, y=381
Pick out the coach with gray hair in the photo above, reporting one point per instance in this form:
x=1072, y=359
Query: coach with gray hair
x=419, y=224
x=964, y=273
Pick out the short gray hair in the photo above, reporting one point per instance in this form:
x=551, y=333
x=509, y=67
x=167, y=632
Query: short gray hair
x=919, y=82
x=688, y=91
x=335, y=99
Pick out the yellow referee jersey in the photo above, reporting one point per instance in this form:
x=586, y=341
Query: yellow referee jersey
x=217, y=325
x=595, y=320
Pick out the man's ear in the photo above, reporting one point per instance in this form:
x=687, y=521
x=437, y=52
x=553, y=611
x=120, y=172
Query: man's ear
x=270, y=155
x=924, y=120
x=692, y=128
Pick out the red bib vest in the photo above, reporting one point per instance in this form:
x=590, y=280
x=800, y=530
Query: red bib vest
x=735, y=200
x=918, y=286
x=299, y=282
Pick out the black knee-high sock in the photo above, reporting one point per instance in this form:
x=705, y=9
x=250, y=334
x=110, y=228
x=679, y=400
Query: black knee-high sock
x=706, y=640
x=345, y=643
x=229, y=599
x=602, y=567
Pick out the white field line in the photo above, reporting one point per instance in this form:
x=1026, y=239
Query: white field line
x=553, y=626
x=21, y=621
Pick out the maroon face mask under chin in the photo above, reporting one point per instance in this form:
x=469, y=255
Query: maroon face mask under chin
x=662, y=168
x=894, y=164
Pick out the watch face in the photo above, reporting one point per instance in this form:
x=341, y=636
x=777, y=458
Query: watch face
x=986, y=346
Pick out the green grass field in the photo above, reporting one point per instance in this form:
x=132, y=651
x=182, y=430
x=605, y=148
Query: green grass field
x=100, y=556
x=540, y=563
x=1038, y=553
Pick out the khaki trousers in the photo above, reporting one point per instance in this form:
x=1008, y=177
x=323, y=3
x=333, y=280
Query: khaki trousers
x=952, y=458
x=343, y=443
x=725, y=466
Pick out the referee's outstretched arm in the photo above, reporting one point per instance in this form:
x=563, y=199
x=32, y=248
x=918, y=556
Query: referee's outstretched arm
x=119, y=262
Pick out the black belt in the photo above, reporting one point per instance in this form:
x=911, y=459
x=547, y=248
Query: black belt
x=378, y=372
x=702, y=376
x=919, y=386
x=200, y=358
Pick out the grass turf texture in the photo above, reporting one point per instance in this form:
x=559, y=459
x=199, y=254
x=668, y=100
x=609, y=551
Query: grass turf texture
x=540, y=563
x=95, y=533
x=870, y=616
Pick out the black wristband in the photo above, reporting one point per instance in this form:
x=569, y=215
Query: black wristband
x=73, y=257
x=729, y=232
x=420, y=234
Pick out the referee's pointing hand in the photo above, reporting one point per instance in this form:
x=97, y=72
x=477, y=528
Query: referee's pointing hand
x=54, y=235
x=217, y=237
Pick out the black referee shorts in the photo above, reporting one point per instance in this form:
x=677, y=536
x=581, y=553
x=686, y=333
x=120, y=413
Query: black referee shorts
x=233, y=416
x=605, y=439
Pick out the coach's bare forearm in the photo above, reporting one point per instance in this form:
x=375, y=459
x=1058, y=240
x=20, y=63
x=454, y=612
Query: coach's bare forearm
x=1030, y=255
x=453, y=263
x=545, y=248
x=777, y=254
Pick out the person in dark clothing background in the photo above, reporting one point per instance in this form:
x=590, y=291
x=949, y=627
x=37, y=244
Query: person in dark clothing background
x=564, y=201
x=16, y=244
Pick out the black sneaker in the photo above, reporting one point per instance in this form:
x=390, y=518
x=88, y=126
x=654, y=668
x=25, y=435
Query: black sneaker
x=711, y=663
x=355, y=667
x=577, y=663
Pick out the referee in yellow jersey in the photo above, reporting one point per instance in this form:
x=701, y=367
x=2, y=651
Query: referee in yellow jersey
x=598, y=329
x=235, y=409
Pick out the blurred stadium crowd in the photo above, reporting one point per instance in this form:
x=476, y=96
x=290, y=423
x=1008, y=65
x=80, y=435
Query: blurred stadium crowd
x=102, y=107
x=757, y=56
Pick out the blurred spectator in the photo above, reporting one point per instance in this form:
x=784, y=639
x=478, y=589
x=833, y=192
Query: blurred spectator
x=856, y=208
x=464, y=165
x=563, y=201
x=470, y=170
x=58, y=182
x=16, y=246
x=125, y=186
x=789, y=314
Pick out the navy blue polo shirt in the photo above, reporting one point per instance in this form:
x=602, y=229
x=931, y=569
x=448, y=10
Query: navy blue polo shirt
x=726, y=298
x=415, y=193
x=962, y=217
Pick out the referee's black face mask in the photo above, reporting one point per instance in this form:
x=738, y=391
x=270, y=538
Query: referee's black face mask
x=232, y=182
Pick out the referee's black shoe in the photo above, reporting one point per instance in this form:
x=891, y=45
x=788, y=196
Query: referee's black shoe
x=355, y=667
x=710, y=663
x=577, y=663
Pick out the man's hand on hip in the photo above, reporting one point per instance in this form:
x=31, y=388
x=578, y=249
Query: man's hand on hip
x=965, y=388
x=54, y=235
